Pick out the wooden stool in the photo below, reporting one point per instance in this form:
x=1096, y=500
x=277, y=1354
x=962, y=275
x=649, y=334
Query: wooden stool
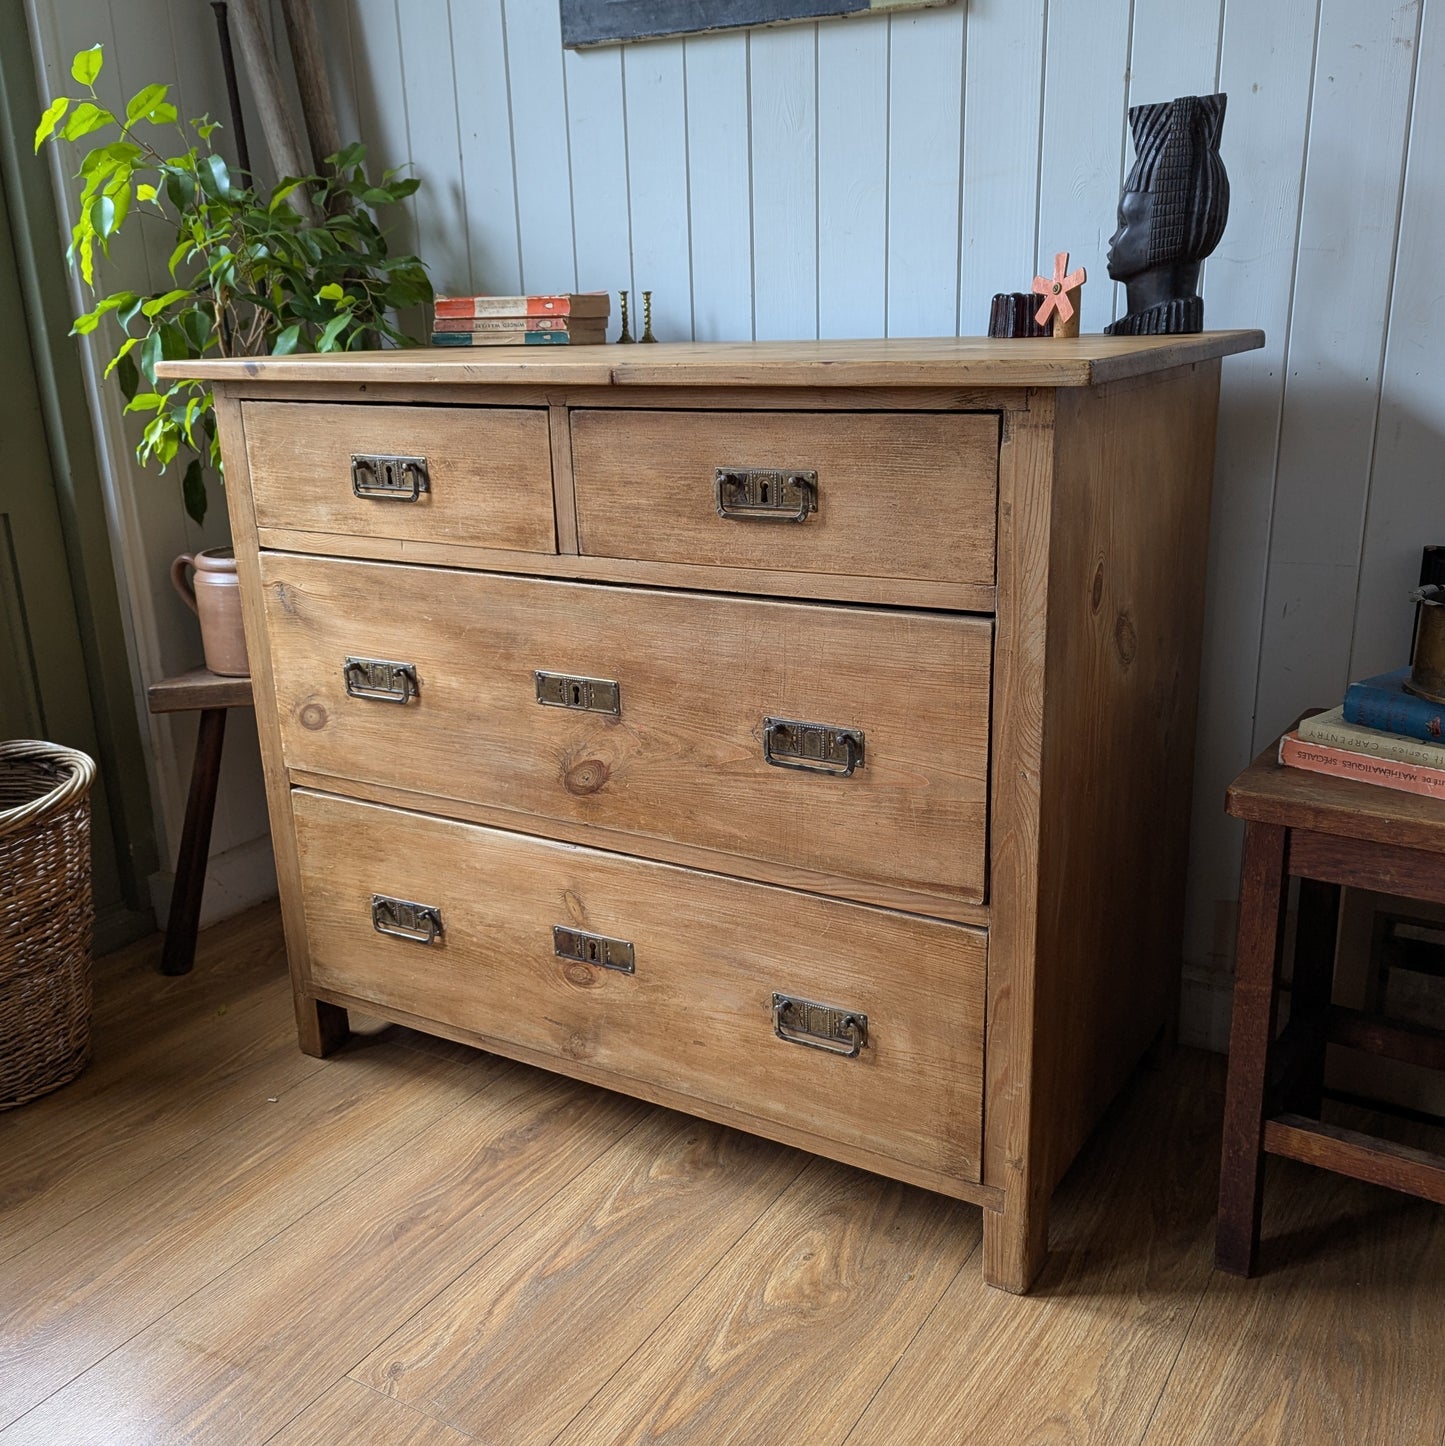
x=1326, y=832
x=213, y=695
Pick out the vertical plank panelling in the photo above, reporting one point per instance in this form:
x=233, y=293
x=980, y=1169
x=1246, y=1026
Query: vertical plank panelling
x=785, y=179
x=485, y=121
x=720, y=209
x=1175, y=49
x=1406, y=479
x=656, y=86
x=1001, y=111
x=1265, y=69
x=925, y=68
x=429, y=90
x=1342, y=285
x=853, y=179
x=539, y=145
x=1085, y=91
x=597, y=132
x=375, y=53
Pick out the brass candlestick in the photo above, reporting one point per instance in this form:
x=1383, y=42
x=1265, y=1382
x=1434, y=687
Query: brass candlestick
x=647, y=317
x=626, y=334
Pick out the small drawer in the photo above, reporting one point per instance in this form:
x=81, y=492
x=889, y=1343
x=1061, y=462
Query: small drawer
x=658, y=974
x=870, y=494
x=475, y=475
x=840, y=749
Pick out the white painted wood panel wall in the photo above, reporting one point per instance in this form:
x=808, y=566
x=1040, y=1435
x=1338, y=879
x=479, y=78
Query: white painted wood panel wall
x=884, y=176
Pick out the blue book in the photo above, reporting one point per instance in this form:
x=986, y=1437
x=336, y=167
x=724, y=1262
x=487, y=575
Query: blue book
x=1382, y=702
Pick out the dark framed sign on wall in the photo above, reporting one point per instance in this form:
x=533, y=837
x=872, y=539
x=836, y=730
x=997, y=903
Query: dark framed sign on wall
x=607, y=22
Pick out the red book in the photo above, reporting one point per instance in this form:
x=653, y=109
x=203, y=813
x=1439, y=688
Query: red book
x=569, y=303
x=1299, y=752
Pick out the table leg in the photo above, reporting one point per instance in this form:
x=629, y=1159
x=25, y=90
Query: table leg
x=1262, y=896
x=179, y=951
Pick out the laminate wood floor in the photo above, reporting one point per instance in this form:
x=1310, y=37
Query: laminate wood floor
x=209, y=1237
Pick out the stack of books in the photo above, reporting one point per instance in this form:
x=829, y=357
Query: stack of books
x=567, y=319
x=1381, y=734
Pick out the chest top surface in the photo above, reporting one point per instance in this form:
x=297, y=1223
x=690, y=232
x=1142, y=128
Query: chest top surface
x=933, y=361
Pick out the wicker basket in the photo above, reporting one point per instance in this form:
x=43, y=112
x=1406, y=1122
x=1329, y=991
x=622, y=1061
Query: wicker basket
x=46, y=918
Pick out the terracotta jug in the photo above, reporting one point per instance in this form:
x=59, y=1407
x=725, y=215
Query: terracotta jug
x=215, y=597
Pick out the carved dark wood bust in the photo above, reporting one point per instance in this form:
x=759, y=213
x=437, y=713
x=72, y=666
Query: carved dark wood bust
x=1171, y=215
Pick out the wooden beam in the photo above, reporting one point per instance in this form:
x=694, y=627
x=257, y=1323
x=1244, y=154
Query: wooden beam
x=1362, y=1157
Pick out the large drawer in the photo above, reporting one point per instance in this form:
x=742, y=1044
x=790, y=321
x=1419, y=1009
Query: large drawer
x=696, y=677
x=488, y=472
x=893, y=494
x=696, y=1015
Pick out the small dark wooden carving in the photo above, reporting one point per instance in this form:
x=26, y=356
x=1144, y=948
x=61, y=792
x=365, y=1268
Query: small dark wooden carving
x=1171, y=215
x=1012, y=314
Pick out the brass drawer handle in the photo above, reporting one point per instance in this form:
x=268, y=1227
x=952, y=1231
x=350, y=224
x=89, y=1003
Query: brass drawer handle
x=390, y=479
x=381, y=681
x=763, y=494
x=843, y=1032
x=812, y=747
x=595, y=949
x=587, y=695
x=402, y=919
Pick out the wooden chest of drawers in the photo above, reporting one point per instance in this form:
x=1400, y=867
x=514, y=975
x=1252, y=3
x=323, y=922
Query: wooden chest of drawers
x=795, y=734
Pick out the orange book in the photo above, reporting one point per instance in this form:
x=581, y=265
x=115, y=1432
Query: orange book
x=567, y=303
x=1299, y=752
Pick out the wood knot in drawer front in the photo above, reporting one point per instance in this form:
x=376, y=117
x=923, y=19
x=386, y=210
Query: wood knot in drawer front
x=585, y=775
x=312, y=715
x=582, y=975
x=1126, y=639
x=282, y=593
x=578, y=1045
x=1096, y=593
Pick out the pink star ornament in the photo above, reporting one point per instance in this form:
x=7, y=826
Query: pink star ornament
x=1060, y=294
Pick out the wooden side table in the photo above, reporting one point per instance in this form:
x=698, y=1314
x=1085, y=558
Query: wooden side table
x=212, y=695
x=1326, y=832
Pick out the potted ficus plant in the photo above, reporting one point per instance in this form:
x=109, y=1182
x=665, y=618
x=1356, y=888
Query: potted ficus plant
x=301, y=267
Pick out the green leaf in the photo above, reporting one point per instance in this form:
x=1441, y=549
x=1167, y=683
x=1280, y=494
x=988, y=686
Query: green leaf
x=150, y=354
x=279, y=195
x=86, y=65
x=84, y=119
x=333, y=329
x=127, y=375
x=119, y=191
x=193, y=490
x=353, y=155
x=330, y=292
x=215, y=179
x=53, y=113
x=122, y=354
x=199, y=329
x=86, y=324
x=287, y=342
x=206, y=128
x=144, y=102
x=102, y=213
x=146, y=402
x=158, y=304
x=129, y=311
x=145, y=192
